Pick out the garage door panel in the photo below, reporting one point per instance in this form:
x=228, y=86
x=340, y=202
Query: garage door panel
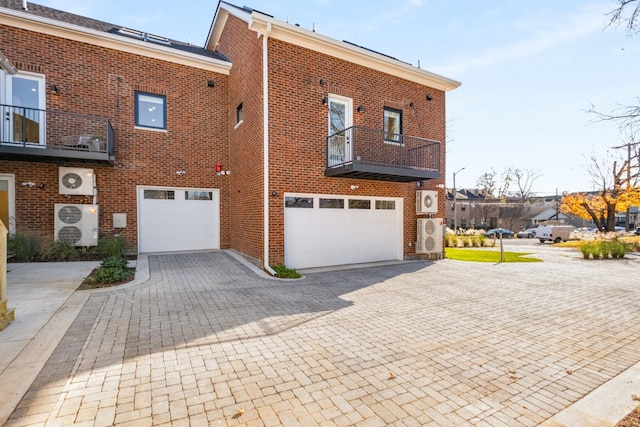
x=321, y=237
x=179, y=224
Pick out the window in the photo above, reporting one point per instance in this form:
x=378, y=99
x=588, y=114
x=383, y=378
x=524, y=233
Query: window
x=392, y=124
x=151, y=110
x=359, y=204
x=159, y=194
x=198, y=195
x=386, y=204
x=298, y=202
x=22, y=113
x=331, y=203
x=239, y=114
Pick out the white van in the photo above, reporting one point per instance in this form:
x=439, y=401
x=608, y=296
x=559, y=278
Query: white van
x=554, y=233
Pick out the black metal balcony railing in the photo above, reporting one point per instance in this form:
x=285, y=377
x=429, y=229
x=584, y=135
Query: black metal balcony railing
x=359, y=152
x=51, y=136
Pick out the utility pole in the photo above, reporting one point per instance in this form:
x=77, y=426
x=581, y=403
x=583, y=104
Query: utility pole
x=628, y=146
x=455, y=194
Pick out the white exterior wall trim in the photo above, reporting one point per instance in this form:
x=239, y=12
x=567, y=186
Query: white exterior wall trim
x=111, y=41
x=311, y=40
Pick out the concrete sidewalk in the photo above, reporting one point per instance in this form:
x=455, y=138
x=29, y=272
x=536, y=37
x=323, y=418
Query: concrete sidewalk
x=207, y=340
x=46, y=303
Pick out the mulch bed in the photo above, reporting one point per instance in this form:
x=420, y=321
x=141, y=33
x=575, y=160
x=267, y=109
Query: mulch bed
x=631, y=420
x=89, y=282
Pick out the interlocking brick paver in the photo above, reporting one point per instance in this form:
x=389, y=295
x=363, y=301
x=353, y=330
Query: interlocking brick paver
x=468, y=344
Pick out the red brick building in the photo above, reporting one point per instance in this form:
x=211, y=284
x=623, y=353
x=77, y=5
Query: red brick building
x=275, y=141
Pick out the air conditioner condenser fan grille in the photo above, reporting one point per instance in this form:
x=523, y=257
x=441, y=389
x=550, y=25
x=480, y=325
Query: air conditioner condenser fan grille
x=428, y=201
x=70, y=214
x=70, y=234
x=429, y=244
x=71, y=180
x=429, y=227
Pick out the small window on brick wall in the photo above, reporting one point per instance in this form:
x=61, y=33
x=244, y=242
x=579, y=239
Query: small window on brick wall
x=151, y=110
x=239, y=114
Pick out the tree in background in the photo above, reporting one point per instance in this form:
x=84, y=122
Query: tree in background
x=627, y=14
x=523, y=179
x=486, y=183
x=618, y=189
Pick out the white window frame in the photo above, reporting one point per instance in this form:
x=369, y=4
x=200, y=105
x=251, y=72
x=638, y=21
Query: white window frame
x=6, y=95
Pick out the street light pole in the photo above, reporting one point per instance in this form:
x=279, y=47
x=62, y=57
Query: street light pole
x=455, y=197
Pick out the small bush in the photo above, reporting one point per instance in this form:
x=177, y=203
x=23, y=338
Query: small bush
x=618, y=249
x=451, y=241
x=604, y=249
x=23, y=247
x=57, y=250
x=112, y=246
x=286, y=273
x=586, y=249
x=113, y=269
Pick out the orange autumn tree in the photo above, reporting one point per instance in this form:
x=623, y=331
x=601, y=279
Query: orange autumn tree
x=601, y=207
x=618, y=191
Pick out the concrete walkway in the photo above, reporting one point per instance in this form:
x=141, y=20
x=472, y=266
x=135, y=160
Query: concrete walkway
x=206, y=340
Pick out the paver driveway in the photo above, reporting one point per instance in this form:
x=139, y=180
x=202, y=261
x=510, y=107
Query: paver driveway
x=206, y=341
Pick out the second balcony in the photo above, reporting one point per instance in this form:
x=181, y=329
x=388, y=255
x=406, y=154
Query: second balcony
x=364, y=153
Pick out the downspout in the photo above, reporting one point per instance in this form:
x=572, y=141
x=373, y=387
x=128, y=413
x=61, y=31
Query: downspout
x=265, y=132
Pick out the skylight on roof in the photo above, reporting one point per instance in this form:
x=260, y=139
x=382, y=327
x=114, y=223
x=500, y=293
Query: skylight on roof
x=144, y=36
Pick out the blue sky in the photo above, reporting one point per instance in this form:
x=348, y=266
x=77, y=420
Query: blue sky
x=529, y=69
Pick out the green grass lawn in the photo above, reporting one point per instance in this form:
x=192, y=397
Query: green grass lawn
x=487, y=256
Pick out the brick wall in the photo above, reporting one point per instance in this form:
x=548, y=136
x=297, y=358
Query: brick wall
x=245, y=140
x=299, y=123
x=101, y=81
x=298, y=130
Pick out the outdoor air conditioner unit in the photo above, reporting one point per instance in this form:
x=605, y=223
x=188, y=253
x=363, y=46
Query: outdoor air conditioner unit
x=429, y=235
x=426, y=202
x=76, y=224
x=76, y=181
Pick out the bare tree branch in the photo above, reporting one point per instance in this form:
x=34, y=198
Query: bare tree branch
x=627, y=14
x=620, y=17
x=524, y=180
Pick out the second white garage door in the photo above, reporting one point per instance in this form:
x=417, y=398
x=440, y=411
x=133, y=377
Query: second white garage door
x=325, y=230
x=178, y=219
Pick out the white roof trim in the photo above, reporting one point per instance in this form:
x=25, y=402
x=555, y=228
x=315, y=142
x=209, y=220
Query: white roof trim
x=323, y=44
x=99, y=38
x=220, y=20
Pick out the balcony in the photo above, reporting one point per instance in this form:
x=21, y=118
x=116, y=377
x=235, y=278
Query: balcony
x=363, y=153
x=29, y=134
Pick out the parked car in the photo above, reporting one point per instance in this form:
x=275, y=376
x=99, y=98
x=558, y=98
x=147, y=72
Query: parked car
x=496, y=232
x=528, y=233
x=585, y=230
x=638, y=231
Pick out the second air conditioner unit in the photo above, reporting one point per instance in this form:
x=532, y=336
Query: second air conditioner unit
x=426, y=202
x=76, y=224
x=76, y=181
x=429, y=235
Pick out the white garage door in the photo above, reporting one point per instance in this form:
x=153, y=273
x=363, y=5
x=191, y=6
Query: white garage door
x=334, y=230
x=178, y=219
